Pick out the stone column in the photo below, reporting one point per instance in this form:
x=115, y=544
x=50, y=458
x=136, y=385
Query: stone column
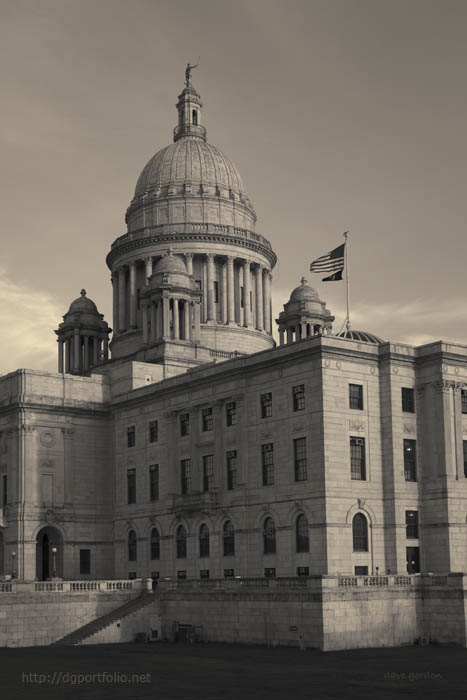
x=230, y=290
x=159, y=317
x=67, y=354
x=86, y=353
x=133, y=299
x=259, y=297
x=196, y=323
x=145, y=324
x=153, y=317
x=210, y=286
x=114, y=279
x=122, y=299
x=267, y=301
x=148, y=265
x=238, y=297
x=176, y=319
x=96, y=354
x=186, y=319
x=223, y=270
x=68, y=465
x=106, y=348
x=204, y=284
x=76, y=350
x=189, y=262
x=246, y=293
x=281, y=336
x=289, y=335
x=303, y=329
x=166, y=318
x=60, y=355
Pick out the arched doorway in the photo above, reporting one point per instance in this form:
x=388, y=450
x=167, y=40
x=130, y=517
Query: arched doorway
x=49, y=563
x=2, y=555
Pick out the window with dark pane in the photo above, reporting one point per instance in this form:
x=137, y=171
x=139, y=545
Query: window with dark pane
x=411, y=524
x=464, y=400
x=266, y=405
x=269, y=536
x=301, y=534
x=132, y=546
x=206, y=419
x=184, y=424
x=208, y=472
x=181, y=542
x=464, y=444
x=204, y=541
x=84, y=561
x=298, y=396
x=231, y=469
x=356, y=396
x=131, y=436
x=267, y=460
x=231, y=413
x=228, y=539
x=360, y=533
x=408, y=400
x=357, y=458
x=131, y=485
x=185, y=472
x=155, y=543
x=300, y=462
x=153, y=431
x=154, y=482
x=410, y=460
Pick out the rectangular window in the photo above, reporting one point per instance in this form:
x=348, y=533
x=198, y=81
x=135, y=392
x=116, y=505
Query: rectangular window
x=204, y=573
x=357, y=458
x=131, y=485
x=413, y=560
x=299, y=449
x=153, y=431
x=411, y=524
x=228, y=573
x=131, y=436
x=231, y=413
x=5, y=489
x=298, y=395
x=303, y=571
x=267, y=459
x=206, y=419
x=231, y=469
x=356, y=396
x=84, y=561
x=410, y=460
x=216, y=292
x=208, y=472
x=181, y=574
x=184, y=424
x=185, y=475
x=408, y=400
x=269, y=573
x=464, y=400
x=154, y=482
x=266, y=405
x=131, y=575
x=464, y=444
x=361, y=571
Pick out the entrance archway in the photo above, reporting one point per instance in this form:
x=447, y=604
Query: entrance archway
x=2, y=554
x=49, y=564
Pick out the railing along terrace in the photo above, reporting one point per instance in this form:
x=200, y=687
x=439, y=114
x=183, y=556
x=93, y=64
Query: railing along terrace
x=15, y=586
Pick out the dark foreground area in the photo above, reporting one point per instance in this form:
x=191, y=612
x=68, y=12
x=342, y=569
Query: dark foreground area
x=227, y=672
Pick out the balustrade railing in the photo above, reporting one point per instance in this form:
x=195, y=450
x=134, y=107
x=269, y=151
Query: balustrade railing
x=105, y=586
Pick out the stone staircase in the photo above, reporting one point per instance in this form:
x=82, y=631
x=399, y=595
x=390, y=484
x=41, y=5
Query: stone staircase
x=129, y=608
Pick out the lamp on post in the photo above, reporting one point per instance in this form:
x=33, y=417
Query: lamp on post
x=54, y=562
x=13, y=565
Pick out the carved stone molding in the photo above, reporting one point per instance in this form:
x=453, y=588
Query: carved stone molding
x=443, y=385
x=361, y=502
x=420, y=389
x=47, y=438
x=356, y=425
x=409, y=428
x=298, y=428
x=265, y=435
x=170, y=416
x=68, y=433
x=26, y=428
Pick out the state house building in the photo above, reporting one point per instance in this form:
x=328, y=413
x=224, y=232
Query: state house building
x=191, y=446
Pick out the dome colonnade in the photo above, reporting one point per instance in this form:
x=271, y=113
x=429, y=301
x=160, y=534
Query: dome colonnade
x=304, y=315
x=190, y=197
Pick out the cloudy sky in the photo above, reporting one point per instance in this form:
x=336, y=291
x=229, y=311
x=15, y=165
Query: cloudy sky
x=340, y=115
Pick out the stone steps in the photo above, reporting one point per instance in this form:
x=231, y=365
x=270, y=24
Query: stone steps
x=82, y=633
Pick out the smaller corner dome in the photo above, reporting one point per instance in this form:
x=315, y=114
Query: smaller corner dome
x=170, y=263
x=361, y=336
x=304, y=292
x=83, y=305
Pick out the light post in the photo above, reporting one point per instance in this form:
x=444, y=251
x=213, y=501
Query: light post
x=54, y=562
x=13, y=565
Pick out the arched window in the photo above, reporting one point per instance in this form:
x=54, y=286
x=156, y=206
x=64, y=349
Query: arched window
x=155, y=543
x=195, y=117
x=269, y=536
x=228, y=538
x=360, y=533
x=301, y=534
x=204, y=541
x=132, y=546
x=181, y=542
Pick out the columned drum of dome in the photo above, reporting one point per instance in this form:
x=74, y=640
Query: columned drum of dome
x=190, y=198
x=304, y=315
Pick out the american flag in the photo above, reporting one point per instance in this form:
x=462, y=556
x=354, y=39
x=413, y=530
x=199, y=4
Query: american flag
x=330, y=262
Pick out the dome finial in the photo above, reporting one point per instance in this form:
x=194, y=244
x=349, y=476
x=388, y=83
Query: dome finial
x=303, y=281
x=83, y=292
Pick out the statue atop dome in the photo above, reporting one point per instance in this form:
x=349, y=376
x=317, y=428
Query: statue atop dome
x=188, y=70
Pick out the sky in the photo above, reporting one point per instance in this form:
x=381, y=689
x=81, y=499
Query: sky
x=339, y=114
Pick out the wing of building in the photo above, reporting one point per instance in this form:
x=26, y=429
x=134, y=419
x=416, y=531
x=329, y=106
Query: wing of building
x=191, y=446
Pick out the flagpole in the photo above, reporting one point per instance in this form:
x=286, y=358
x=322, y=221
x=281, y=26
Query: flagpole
x=347, y=324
